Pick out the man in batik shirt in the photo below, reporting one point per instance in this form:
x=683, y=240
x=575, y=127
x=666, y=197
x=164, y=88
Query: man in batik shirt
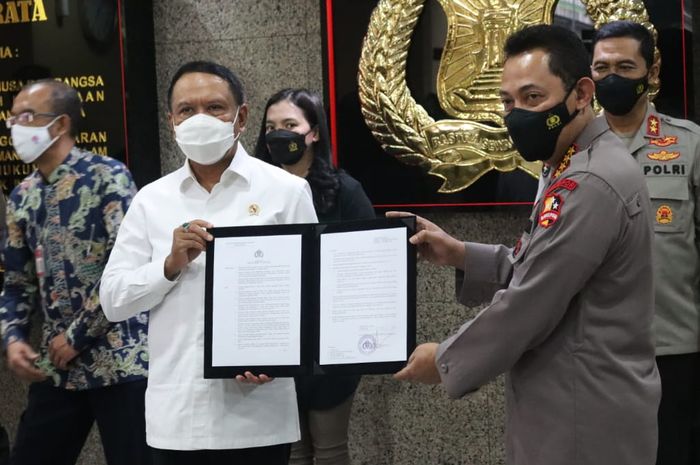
x=62, y=221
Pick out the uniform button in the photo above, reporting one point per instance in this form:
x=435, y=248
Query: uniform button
x=443, y=367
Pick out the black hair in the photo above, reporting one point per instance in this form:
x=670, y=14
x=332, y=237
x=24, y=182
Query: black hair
x=209, y=67
x=568, y=58
x=632, y=30
x=64, y=101
x=323, y=177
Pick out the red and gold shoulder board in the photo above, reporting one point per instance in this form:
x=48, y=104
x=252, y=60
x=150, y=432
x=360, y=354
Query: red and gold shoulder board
x=565, y=162
x=653, y=126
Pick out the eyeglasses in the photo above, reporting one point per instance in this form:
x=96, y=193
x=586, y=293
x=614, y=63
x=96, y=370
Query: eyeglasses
x=25, y=118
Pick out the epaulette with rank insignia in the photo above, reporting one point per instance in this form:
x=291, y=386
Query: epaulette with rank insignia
x=653, y=126
x=565, y=162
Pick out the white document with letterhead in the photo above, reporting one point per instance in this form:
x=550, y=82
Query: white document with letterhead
x=256, y=301
x=363, y=297
x=301, y=299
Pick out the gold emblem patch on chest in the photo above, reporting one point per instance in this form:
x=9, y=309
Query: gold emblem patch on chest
x=664, y=215
x=663, y=155
x=664, y=141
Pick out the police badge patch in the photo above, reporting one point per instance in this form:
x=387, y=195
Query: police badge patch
x=551, y=208
x=664, y=215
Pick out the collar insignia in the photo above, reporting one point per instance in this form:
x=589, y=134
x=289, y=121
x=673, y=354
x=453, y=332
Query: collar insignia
x=653, y=126
x=565, y=162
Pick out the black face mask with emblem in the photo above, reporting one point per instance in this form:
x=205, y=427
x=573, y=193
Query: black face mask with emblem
x=286, y=147
x=535, y=133
x=618, y=95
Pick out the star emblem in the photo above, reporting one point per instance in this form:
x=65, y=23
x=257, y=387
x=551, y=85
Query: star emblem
x=653, y=126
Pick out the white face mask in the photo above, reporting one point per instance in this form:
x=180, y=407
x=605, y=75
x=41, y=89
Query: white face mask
x=205, y=139
x=31, y=141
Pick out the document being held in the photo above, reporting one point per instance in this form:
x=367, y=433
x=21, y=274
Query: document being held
x=257, y=301
x=298, y=299
x=363, y=296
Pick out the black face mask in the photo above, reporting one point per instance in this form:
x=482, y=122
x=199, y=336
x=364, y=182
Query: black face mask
x=618, y=95
x=535, y=133
x=286, y=147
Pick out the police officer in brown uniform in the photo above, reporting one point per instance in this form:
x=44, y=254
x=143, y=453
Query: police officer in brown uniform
x=570, y=321
x=668, y=151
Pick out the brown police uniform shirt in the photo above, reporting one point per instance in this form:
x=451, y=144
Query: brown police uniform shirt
x=571, y=320
x=668, y=151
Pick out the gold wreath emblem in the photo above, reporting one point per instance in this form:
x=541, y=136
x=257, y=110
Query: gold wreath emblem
x=460, y=150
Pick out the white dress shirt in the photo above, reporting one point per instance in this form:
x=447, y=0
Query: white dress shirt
x=184, y=411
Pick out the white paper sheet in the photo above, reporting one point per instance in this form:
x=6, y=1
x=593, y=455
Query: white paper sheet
x=256, y=301
x=363, y=297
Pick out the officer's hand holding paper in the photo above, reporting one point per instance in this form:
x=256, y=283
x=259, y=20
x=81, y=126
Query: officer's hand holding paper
x=434, y=244
x=438, y=247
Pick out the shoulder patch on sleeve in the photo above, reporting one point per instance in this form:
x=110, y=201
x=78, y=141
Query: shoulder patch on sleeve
x=551, y=209
x=566, y=184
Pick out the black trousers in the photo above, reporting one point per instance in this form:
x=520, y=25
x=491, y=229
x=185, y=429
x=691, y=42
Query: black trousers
x=56, y=422
x=270, y=455
x=679, y=412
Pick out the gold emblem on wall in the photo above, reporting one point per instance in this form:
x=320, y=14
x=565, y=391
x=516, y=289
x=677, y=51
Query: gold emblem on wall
x=459, y=150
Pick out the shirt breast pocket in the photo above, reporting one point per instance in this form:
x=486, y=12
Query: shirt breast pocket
x=670, y=204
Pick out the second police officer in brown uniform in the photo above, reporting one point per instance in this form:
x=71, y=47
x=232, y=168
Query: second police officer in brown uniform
x=668, y=152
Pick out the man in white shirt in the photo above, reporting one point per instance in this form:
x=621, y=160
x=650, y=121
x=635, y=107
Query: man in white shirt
x=157, y=264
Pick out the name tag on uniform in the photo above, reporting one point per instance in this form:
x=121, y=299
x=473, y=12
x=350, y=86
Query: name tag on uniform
x=664, y=169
